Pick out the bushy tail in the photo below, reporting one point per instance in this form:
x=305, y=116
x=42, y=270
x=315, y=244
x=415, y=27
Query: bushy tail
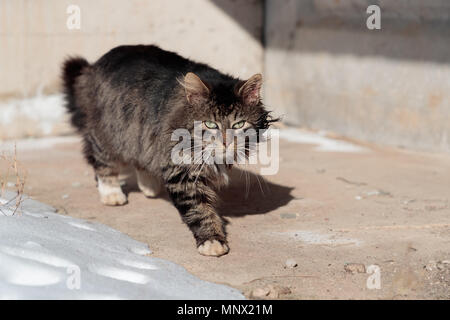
x=72, y=69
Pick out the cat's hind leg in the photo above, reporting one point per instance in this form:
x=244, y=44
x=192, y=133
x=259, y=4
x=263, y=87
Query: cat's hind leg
x=106, y=172
x=148, y=183
x=108, y=185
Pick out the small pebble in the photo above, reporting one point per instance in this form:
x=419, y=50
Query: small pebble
x=274, y=294
x=355, y=268
x=278, y=290
x=440, y=266
x=76, y=184
x=290, y=263
x=270, y=291
x=260, y=292
x=430, y=266
x=65, y=196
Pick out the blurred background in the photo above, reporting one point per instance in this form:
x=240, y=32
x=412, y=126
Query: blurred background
x=323, y=68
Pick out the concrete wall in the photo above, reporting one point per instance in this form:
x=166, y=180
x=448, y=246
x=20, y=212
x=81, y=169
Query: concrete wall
x=34, y=40
x=325, y=70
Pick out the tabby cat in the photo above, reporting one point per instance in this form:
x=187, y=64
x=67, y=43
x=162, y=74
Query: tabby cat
x=126, y=107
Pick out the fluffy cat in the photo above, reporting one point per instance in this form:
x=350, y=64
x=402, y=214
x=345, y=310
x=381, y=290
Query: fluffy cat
x=126, y=107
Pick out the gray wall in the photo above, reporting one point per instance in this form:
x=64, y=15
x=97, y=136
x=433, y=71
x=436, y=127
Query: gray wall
x=325, y=70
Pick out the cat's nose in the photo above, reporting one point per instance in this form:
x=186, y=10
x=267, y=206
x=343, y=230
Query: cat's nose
x=226, y=142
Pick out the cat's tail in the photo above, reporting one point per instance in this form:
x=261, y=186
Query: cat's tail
x=71, y=70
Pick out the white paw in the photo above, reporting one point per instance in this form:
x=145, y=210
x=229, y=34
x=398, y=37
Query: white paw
x=148, y=192
x=110, y=192
x=148, y=184
x=113, y=199
x=213, y=248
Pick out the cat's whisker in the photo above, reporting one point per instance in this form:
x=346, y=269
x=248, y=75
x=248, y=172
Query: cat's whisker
x=146, y=129
x=260, y=186
x=247, y=185
x=194, y=165
x=261, y=181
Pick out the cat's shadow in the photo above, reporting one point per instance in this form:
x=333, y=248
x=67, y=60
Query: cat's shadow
x=247, y=194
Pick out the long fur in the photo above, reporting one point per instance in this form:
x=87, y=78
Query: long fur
x=72, y=69
x=127, y=104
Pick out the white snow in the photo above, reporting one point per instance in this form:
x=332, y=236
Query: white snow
x=320, y=139
x=42, y=253
x=36, y=143
x=47, y=110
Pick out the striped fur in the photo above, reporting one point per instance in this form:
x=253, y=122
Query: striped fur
x=126, y=106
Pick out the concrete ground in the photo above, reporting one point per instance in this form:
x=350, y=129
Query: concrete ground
x=328, y=211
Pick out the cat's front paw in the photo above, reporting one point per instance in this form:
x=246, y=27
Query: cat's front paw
x=113, y=199
x=213, y=248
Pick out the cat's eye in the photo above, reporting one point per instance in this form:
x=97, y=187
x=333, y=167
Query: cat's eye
x=238, y=125
x=211, y=125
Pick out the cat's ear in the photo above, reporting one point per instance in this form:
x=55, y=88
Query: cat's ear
x=250, y=90
x=196, y=90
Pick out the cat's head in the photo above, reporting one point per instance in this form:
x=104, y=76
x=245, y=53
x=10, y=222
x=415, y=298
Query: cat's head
x=230, y=112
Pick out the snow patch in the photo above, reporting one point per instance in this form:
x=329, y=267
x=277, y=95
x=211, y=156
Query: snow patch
x=81, y=226
x=46, y=110
x=138, y=264
x=120, y=274
x=38, y=258
x=320, y=139
x=19, y=272
x=36, y=143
